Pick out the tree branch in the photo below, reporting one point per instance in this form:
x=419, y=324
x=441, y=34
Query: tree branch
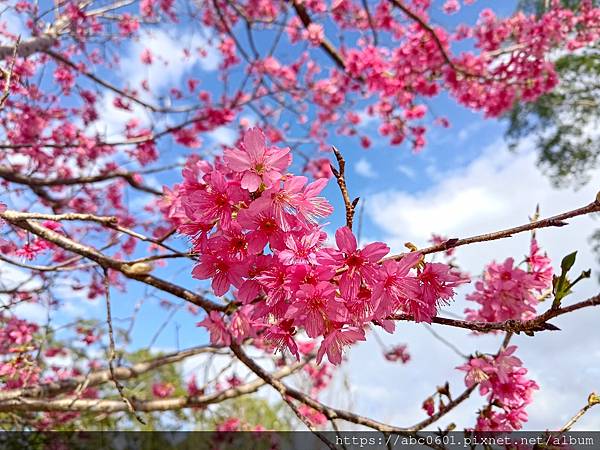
x=167, y=404
x=554, y=221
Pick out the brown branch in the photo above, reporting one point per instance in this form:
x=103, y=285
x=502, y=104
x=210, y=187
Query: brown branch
x=20, y=220
x=103, y=376
x=58, y=57
x=593, y=400
x=417, y=18
x=365, y=4
x=329, y=412
x=9, y=174
x=340, y=176
x=554, y=221
x=325, y=44
x=539, y=323
x=8, y=74
x=29, y=47
x=113, y=353
x=167, y=404
x=107, y=221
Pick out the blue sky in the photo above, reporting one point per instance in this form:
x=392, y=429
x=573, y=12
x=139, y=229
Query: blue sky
x=464, y=182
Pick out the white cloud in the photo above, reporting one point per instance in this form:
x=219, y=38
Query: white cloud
x=364, y=168
x=407, y=171
x=14, y=25
x=170, y=62
x=170, y=66
x=499, y=189
x=223, y=135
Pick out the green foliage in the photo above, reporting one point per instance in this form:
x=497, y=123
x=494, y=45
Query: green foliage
x=561, y=285
x=563, y=122
x=537, y=7
x=251, y=410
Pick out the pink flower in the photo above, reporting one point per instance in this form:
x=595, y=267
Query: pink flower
x=215, y=202
x=395, y=285
x=451, y=6
x=146, y=56
x=309, y=206
x=506, y=292
x=241, y=326
x=301, y=248
x=264, y=228
x=231, y=424
x=251, y=287
x=502, y=380
x=258, y=164
x=437, y=285
x=319, y=168
x=230, y=242
x=478, y=371
x=281, y=336
x=314, y=305
x=540, y=266
x=360, y=264
x=315, y=34
x=505, y=363
x=192, y=387
x=162, y=390
x=273, y=281
x=223, y=271
x=333, y=344
x=219, y=334
x=294, y=202
x=398, y=353
x=315, y=417
x=429, y=406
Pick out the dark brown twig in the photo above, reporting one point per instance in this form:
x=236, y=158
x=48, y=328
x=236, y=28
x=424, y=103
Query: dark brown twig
x=340, y=176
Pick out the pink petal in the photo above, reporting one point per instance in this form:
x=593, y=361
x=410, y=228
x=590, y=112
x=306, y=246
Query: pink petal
x=315, y=188
x=345, y=240
x=254, y=143
x=375, y=251
x=251, y=181
x=280, y=159
x=295, y=184
x=256, y=242
x=220, y=284
x=203, y=271
x=237, y=160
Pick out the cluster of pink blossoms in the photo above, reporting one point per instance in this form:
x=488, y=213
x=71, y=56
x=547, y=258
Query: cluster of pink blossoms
x=254, y=227
x=502, y=378
x=508, y=292
x=16, y=368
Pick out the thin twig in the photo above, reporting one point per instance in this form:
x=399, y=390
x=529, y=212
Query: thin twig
x=593, y=400
x=8, y=74
x=340, y=176
x=113, y=353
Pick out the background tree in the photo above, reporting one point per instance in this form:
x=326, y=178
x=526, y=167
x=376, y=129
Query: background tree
x=563, y=122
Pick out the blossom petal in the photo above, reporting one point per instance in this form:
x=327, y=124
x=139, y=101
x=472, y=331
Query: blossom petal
x=345, y=240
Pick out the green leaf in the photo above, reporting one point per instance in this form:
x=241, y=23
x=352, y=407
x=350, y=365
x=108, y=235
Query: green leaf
x=568, y=262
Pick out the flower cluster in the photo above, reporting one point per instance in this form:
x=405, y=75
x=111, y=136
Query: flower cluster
x=502, y=378
x=254, y=227
x=508, y=292
x=16, y=368
x=398, y=353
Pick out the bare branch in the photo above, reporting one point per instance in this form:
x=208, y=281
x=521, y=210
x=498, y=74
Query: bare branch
x=340, y=176
x=167, y=404
x=554, y=221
